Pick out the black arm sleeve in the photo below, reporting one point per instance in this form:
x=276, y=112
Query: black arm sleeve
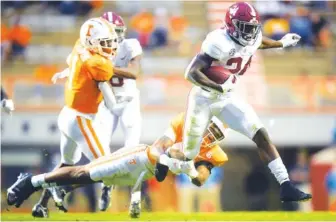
x=204, y=163
x=3, y=94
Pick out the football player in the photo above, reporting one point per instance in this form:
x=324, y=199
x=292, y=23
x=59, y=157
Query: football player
x=132, y=165
x=6, y=103
x=90, y=70
x=232, y=48
x=127, y=67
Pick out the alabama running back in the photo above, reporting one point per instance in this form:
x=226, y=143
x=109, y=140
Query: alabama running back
x=231, y=49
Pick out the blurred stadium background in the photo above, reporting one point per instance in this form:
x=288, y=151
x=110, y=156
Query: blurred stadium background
x=294, y=92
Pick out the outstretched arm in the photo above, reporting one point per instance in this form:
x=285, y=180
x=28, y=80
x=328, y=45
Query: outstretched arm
x=268, y=43
x=289, y=39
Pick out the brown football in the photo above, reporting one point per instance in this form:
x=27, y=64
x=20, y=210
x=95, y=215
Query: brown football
x=218, y=74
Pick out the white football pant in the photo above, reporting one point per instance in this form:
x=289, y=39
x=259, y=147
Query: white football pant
x=231, y=110
x=129, y=116
x=80, y=135
x=123, y=167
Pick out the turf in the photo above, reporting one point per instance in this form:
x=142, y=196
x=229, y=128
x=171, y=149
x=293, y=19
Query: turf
x=224, y=216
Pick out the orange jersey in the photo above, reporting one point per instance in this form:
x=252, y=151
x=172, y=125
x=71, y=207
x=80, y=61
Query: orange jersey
x=85, y=71
x=214, y=154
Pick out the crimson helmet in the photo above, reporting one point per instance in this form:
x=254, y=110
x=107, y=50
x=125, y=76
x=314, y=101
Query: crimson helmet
x=118, y=22
x=243, y=23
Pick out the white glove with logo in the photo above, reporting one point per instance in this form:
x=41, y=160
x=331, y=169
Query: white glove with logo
x=188, y=167
x=290, y=39
x=60, y=75
x=173, y=164
x=7, y=105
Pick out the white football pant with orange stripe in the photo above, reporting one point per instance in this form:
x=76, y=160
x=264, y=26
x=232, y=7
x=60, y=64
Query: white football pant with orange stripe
x=79, y=135
x=123, y=167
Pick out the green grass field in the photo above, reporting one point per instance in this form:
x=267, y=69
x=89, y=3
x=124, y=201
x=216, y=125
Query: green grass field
x=224, y=216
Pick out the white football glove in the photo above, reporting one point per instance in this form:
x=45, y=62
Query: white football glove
x=188, y=167
x=174, y=165
x=290, y=39
x=60, y=75
x=7, y=105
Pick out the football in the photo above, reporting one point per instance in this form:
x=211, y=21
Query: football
x=218, y=74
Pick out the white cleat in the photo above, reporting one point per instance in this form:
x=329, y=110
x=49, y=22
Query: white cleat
x=135, y=206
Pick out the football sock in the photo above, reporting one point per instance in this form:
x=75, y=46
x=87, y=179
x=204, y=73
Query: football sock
x=38, y=180
x=279, y=170
x=136, y=196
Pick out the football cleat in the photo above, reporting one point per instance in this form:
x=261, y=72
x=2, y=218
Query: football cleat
x=135, y=209
x=20, y=190
x=289, y=193
x=40, y=211
x=105, y=199
x=58, y=195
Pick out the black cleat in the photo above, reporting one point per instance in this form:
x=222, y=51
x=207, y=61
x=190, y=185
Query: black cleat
x=58, y=195
x=20, y=190
x=105, y=199
x=289, y=193
x=40, y=211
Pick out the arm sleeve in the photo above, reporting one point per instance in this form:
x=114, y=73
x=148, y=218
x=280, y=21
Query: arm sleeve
x=206, y=164
x=99, y=69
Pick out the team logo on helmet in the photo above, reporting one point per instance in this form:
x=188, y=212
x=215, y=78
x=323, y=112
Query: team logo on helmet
x=233, y=10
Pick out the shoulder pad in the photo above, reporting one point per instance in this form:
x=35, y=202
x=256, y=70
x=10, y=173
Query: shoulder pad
x=217, y=45
x=133, y=46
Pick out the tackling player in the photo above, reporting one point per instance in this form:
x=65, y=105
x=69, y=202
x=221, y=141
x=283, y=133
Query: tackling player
x=90, y=70
x=232, y=48
x=131, y=165
x=127, y=67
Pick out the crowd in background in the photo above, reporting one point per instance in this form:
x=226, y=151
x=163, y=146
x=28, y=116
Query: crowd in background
x=157, y=27
x=15, y=36
x=309, y=19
